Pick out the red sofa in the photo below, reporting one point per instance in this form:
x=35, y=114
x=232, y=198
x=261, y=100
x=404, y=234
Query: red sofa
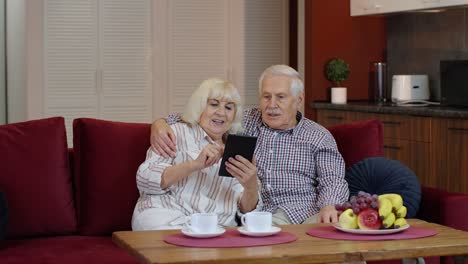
x=64, y=204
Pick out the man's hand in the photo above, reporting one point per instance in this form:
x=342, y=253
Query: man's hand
x=162, y=139
x=328, y=214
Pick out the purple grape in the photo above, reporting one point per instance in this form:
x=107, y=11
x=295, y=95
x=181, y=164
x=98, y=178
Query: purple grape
x=374, y=205
x=338, y=207
x=362, y=206
x=369, y=200
x=356, y=210
x=347, y=205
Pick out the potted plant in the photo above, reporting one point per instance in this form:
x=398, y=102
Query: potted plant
x=337, y=71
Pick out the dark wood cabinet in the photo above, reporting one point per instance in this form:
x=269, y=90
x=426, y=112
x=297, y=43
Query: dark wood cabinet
x=406, y=138
x=450, y=154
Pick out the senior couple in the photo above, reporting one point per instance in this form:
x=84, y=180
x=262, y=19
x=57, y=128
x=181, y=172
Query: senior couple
x=297, y=173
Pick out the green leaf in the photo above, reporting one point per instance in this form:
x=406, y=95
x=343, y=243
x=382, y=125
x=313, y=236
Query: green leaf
x=336, y=71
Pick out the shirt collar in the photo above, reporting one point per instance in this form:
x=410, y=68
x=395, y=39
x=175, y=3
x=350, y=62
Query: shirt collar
x=201, y=137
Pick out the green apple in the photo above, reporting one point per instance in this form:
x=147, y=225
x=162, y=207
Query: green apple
x=348, y=219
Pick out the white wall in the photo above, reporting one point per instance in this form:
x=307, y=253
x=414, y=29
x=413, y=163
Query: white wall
x=16, y=80
x=2, y=64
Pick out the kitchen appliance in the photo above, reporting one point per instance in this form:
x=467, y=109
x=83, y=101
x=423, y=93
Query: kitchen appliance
x=454, y=83
x=378, y=90
x=410, y=89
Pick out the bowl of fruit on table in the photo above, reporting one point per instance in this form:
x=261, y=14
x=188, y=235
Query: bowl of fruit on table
x=367, y=213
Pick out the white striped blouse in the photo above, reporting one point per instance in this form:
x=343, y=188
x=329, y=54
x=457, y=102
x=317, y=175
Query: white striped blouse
x=201, y=192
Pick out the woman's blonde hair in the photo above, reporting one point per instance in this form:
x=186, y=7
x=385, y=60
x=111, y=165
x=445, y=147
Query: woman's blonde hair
x=213, y=88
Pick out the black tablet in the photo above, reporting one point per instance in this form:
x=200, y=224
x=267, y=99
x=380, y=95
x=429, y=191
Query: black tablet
x=237, y=145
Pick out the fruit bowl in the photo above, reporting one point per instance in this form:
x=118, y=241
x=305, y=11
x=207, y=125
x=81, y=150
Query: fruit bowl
x=372, y=213
x=371, y=232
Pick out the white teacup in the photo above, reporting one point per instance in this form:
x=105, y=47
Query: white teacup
x=203, y=222
x=257, y=221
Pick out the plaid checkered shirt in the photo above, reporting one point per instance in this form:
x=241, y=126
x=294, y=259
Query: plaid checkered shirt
x=300, y=169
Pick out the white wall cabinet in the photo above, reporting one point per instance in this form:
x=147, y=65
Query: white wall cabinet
x=372, y=7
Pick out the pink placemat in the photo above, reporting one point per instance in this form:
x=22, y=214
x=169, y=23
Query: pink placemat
x=332, y=233
x=231, y=238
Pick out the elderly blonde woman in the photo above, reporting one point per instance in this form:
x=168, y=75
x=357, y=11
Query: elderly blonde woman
x=173, y=188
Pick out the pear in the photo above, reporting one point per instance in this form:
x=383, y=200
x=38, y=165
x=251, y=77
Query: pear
x=348, y=219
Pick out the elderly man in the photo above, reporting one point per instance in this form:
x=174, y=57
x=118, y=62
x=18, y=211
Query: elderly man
x=299, y=166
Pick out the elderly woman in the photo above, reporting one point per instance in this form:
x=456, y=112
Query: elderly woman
x=173, y=188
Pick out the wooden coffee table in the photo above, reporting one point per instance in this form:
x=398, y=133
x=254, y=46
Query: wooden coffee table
x=149, y=247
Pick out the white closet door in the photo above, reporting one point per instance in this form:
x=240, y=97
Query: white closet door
x=197, y=47
x=125, y=60
x=266, y=38
x=70, y=57
x=232, y=39
x=98, y=60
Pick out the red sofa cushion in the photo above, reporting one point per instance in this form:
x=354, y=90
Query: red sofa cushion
x=106, y=157
x=446, y=208
x=358, y=140
x=35, y=177
x=64, y=249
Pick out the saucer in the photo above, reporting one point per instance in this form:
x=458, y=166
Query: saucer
x=188, y=232
x=272, y=231
x=371, y=232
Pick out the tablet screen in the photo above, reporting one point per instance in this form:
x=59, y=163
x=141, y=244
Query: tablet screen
x=237, y=145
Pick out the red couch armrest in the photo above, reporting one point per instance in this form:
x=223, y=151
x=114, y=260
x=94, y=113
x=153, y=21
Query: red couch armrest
x=442, y=207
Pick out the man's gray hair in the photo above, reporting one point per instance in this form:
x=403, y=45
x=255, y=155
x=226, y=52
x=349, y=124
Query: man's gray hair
x=213, y=88
x=297, y=86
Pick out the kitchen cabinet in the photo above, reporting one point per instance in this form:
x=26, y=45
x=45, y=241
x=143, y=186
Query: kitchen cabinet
x=372, y=7
x=450, y=154
x=406, y=138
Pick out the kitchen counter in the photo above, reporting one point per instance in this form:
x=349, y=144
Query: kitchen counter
x=390, y=108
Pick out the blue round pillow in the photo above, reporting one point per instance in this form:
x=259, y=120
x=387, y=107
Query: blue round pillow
x=380, y=175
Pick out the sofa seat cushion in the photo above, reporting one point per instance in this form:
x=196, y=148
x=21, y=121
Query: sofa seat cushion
x=379, y=175
x=3, y=216
x=35, y=178
x=106, y=158
x=358, y=140
x=64, y=249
